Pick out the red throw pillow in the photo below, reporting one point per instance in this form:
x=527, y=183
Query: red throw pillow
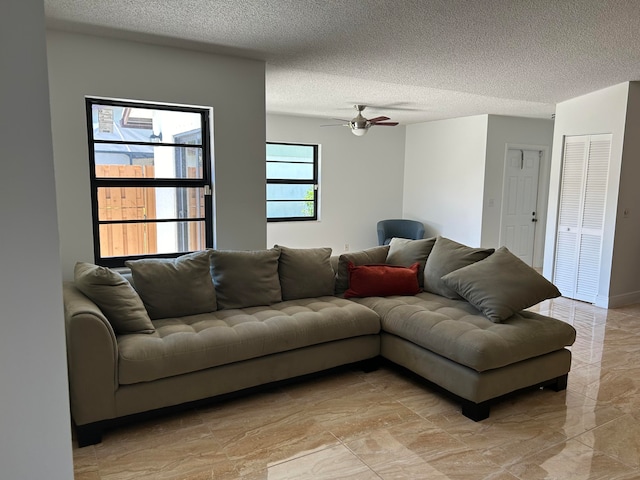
x=382, y=280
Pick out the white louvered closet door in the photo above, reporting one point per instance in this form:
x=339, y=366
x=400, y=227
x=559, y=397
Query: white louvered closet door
x=583, y=192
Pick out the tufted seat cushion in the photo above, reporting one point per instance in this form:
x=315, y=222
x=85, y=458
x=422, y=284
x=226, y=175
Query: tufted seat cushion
x=188, y=344
x=456, y=330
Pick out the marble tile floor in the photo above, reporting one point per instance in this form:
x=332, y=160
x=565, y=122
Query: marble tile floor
x=384, y=425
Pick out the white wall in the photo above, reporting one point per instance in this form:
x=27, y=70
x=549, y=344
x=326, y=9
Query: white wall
x=360, y=183
x=598, y=112
x=516, y=132
x=35, y=438
x=625, y=265
x=81, y=65
x=444, y=177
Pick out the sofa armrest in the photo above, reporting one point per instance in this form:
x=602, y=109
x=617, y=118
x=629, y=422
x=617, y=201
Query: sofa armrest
x=92, y=357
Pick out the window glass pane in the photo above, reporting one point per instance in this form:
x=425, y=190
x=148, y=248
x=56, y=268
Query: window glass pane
x=285, y=209
x=146, y=161
x=290, y=171
x=149, y=203
x=142, y=124
x=119, y=240
x=287, y=191
x=289, y=153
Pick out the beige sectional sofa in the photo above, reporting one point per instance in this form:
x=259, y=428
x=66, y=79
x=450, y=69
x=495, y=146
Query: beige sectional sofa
x=215, y=322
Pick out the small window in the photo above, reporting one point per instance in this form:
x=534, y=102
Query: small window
x=292, y=182
x=150, y=170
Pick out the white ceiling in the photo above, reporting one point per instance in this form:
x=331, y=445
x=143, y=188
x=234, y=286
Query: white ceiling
x=416, y=60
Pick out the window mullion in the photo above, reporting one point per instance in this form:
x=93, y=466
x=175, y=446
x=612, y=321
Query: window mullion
x=150, y=182
x=153, y=220
x=147, y=144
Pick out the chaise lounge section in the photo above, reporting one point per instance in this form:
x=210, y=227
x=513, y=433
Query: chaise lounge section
x=280, y=313
x=448, y=343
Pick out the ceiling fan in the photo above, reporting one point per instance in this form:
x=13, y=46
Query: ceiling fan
x=360, y=125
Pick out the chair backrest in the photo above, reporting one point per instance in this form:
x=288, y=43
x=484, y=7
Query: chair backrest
x=387, y=229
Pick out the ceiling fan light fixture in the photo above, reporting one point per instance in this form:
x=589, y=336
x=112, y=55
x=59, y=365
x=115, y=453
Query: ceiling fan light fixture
x=359, y=125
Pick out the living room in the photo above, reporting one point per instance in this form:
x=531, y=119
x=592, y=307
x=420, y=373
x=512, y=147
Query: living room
x=362, y=181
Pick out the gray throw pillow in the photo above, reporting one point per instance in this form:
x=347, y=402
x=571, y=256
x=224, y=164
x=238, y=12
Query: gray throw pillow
x=115, y=296
x=375, y=255
x=445, y=257
x=175, y=287
x=405, y=252
x=501, y=285
x=305, y=272
x=246, y=278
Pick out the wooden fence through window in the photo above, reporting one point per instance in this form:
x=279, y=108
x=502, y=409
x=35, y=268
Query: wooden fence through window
x=130, y=203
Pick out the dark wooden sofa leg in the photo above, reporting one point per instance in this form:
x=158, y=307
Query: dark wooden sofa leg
x=560, y=383
x=370, y=365
x=88, y=434
x=475, y=411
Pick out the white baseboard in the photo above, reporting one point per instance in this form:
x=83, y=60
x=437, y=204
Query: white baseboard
x=618, y=300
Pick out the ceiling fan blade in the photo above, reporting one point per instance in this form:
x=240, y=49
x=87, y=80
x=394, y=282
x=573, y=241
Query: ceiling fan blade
x=399, y=106
x=336, y=125
x=387, y=124
x=378, y=119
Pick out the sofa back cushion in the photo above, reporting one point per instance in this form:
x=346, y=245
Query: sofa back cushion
x=500, y=285
x=175, y=287
x=115, y=296
x=305, y=272
x=446, y=257
x=246, y=278
x=405, y=252
x=375, y=255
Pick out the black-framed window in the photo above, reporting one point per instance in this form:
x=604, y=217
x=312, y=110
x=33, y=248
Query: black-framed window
x=292, y=182
x=151, y=181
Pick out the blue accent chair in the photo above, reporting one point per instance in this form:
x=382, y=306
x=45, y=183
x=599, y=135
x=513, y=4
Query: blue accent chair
x=387, y=229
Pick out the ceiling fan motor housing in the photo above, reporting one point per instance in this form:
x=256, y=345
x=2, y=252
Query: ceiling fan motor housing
x=359, y=125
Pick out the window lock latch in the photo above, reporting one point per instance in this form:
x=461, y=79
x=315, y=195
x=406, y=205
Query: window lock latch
x=207, y=189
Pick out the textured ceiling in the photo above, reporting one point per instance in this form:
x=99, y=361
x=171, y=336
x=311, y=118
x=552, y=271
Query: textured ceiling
x=415, y=60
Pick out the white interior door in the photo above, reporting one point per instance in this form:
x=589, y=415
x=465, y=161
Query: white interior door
x=519, y=203
x=583, y=189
